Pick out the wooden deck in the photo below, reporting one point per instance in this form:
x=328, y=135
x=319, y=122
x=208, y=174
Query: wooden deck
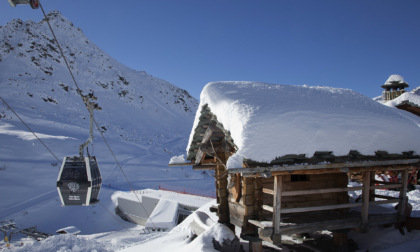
x=323, y=220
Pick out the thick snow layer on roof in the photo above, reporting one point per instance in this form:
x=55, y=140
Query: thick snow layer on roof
x=267, y=121
x=394, y=78
x=407, y=96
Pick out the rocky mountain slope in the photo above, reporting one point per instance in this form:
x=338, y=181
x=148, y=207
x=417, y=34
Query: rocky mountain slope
x=35, y=81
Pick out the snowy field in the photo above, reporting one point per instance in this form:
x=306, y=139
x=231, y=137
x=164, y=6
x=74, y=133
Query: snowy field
x=28, y=174
x=129, y=237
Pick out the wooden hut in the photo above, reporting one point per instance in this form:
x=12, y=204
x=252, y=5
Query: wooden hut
x=282, y=157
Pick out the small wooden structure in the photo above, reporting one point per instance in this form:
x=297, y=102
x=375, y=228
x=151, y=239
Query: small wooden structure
x=409, y=106
x=299, y=193
x=394, y=87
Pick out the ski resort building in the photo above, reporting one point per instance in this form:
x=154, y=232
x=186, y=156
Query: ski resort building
x=393, y=87
x=157, y=210
x=283, y=156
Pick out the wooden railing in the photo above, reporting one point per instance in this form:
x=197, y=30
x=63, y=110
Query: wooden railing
x=368, y=198
x=333, y=190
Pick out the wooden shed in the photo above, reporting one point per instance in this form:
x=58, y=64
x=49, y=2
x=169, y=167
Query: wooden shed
x=274, y=180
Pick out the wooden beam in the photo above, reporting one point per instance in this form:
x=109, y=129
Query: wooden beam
x=331, y=190
x=365, y=200
x=319, y=208
x=200, y=156
x=384, y=197
x=258, y=223
x=268, y=208
x=403, y=196
x=268, y=191
x=390, y=186
x=266, y=229
x=278, y=188
x=204, y=167
x=383, y=182
x=380, y=202
x=316, y=191
x=181, y=164
x=359, y=166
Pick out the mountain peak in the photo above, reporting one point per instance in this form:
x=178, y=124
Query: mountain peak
x=35, y=74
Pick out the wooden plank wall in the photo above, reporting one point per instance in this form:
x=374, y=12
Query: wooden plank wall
x=249, y=204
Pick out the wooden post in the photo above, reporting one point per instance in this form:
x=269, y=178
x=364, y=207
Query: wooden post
x=221, y=195
x=222, y=192
x=258, y=194
x=340, y=240
x=255, y=245
x=278, y=187
x=372, y=181
x=403, y=196
x=365, y=200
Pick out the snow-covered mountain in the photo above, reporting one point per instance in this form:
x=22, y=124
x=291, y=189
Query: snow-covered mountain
x=145, y=120
x=34, y=78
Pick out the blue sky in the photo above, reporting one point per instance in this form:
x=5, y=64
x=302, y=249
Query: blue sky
x=352, y=44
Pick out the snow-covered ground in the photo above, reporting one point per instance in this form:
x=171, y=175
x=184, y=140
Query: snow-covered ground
x=129, y=237
x=145, y=120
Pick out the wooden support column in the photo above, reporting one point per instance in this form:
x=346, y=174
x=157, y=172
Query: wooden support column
x=402, y=205
x=258, y=195
x=372, y=182
x=365, y=200
x=255, y=245
x=278, y=188
x=222, y=191
x=340, y=241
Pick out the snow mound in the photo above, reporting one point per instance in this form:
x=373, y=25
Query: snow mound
x=164, y=215
x=65, y=243
x=267, y=121
x=177, y=159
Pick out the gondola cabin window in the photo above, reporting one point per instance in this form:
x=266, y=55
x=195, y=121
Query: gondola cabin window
x=74, y=172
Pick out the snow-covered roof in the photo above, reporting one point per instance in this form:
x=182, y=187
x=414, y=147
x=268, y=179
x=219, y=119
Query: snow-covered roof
x=395, y=78
x=267, y=121
x=405, y=97
x=69, y=230
x=395, y=81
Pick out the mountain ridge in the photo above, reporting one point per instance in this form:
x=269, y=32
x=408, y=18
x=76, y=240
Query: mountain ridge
x=34, y=74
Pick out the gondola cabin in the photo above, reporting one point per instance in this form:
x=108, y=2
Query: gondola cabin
x=79, y=181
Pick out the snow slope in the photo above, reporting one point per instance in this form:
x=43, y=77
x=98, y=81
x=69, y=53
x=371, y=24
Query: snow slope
x=144, y=119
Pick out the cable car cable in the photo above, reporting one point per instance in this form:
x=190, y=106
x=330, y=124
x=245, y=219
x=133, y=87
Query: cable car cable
x=29, y=128
x=116, y=219
x=79, y=91
x=125, y=176
x=57, y=158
